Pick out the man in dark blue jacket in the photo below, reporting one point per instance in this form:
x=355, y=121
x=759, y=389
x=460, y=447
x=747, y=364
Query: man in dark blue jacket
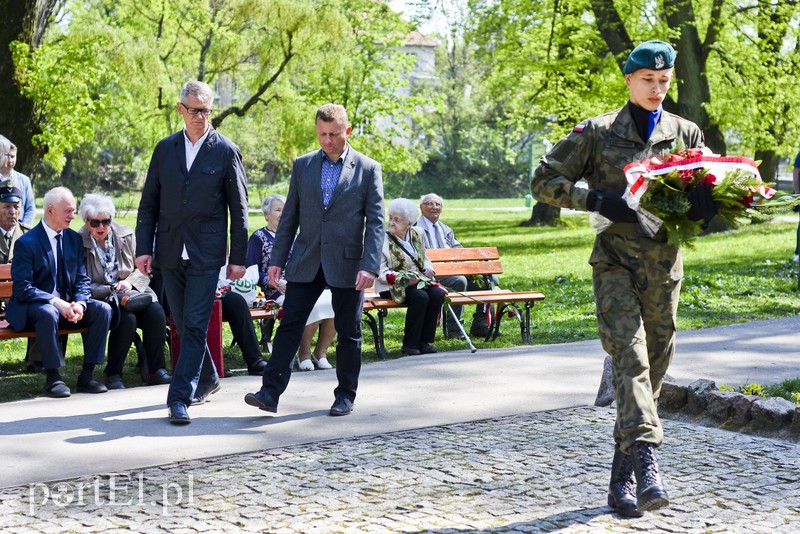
x=195, y=180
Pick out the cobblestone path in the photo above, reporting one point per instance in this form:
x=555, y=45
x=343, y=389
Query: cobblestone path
x=541, y=472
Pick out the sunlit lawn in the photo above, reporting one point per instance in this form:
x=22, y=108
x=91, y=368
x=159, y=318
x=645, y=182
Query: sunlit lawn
x=730, y=277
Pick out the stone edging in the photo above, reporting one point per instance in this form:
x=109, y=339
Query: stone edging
x=702, y=401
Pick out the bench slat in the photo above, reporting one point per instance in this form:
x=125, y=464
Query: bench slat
x=463, y=254
x=468, y=268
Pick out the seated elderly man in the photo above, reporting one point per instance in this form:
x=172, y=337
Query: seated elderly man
x=10, y=225
x=439, y=235
x=51, y=291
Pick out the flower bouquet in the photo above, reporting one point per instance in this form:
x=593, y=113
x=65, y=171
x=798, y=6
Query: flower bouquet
x=660, y=190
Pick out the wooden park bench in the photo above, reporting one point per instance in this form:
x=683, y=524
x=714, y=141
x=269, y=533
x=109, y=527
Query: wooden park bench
x=6, y=288
x=483, y=262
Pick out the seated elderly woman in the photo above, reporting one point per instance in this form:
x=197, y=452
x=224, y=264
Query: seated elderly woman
x=403, y=262
x=259, y=251
x=110, y=252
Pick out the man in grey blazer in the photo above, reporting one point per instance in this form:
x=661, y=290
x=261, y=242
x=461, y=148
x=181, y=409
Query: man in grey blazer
x=336, y=200
x=196, y=178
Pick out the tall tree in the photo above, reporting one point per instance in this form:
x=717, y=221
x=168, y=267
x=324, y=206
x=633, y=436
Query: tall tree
x=24, y=21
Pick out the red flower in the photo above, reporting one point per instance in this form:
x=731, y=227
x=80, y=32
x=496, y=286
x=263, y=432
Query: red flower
x=391, y=279
x=709, y=179
x=748, y=200
x=691, y=152
x=279, y=316
x=686, y=176
x=512, y=313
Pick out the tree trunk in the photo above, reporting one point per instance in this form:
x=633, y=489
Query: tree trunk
x=769, y=165
x=24, y=21
x=544, y=215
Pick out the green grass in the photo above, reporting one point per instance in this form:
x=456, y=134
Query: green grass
x=730, y=277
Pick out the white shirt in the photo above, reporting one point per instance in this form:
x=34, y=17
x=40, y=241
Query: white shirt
x=51, y=235
x=191, y=153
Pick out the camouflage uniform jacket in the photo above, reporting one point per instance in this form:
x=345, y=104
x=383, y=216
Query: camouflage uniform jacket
x=598, y=150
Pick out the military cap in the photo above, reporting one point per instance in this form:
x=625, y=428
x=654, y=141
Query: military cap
x=655, y=55
x=9, y=193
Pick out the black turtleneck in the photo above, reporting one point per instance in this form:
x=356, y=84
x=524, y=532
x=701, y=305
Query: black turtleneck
x=642, y=118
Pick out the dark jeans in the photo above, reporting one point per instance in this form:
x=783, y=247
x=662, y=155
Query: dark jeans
x=190, y=293
x=237, y=314
x=45, y=320
x=153, y=323
x=300, y=299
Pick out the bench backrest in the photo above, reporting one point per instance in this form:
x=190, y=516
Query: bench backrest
x=5, y=281
x=465, y=261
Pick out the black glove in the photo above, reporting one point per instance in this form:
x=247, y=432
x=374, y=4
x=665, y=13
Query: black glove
x=611, y=206
x=703, y=206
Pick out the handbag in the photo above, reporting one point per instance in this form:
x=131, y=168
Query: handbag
x=134, y=301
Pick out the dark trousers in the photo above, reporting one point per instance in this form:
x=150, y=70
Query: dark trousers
x=300, y=299
x=190, y=293
x=153, y=323
x=422, y=315
x=45, y=320
x=237, y=314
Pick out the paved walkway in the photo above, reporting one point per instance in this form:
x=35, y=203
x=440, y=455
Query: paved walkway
x=500, y=441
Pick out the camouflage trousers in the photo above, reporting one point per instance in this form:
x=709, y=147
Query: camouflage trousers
x=637, y=285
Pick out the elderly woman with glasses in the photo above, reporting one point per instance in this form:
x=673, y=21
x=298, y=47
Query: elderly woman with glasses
x=110, y=252
x=403, y=265
x=259, y=251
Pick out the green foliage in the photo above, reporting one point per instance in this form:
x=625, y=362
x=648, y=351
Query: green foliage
x=107, y=78
x=752, y=389
x=725, y=387
x=788, y=389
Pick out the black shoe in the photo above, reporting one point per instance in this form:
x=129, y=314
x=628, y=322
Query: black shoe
x=622, y=488
x=57, y=390
x=426, y=348
x=178, y=414
x=159, y=377
x=262, y=400
x=650, y=493
x=408, y=351
x=479, y=331
x=114, y=382
x=91, y=385
x=342, y=406
x=257, y=367
x=202, y=393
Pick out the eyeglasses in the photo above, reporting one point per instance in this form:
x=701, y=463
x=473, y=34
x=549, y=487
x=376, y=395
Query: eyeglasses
x=197, y=111
x=94, y=223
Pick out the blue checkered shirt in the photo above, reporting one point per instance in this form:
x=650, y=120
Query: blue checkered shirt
x=331, y=171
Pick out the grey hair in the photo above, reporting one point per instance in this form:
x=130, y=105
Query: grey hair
x=200, y=90
x=5, y=145
x=423, y=197
x=95, y=204
x=404, y=207
x=56, y=195
x=266, y=205
x=332, y=112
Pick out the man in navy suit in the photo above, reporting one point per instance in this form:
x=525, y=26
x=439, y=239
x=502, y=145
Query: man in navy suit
x=336, y=200
x=195, y=180
x=51, y=291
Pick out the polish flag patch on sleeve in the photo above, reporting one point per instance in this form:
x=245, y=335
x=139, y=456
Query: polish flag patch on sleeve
x=579, y=127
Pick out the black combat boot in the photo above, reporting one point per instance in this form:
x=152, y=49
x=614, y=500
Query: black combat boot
x=621, y=489
x=650, y=494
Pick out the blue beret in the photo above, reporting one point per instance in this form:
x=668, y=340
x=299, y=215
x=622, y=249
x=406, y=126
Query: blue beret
x=655, y=55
